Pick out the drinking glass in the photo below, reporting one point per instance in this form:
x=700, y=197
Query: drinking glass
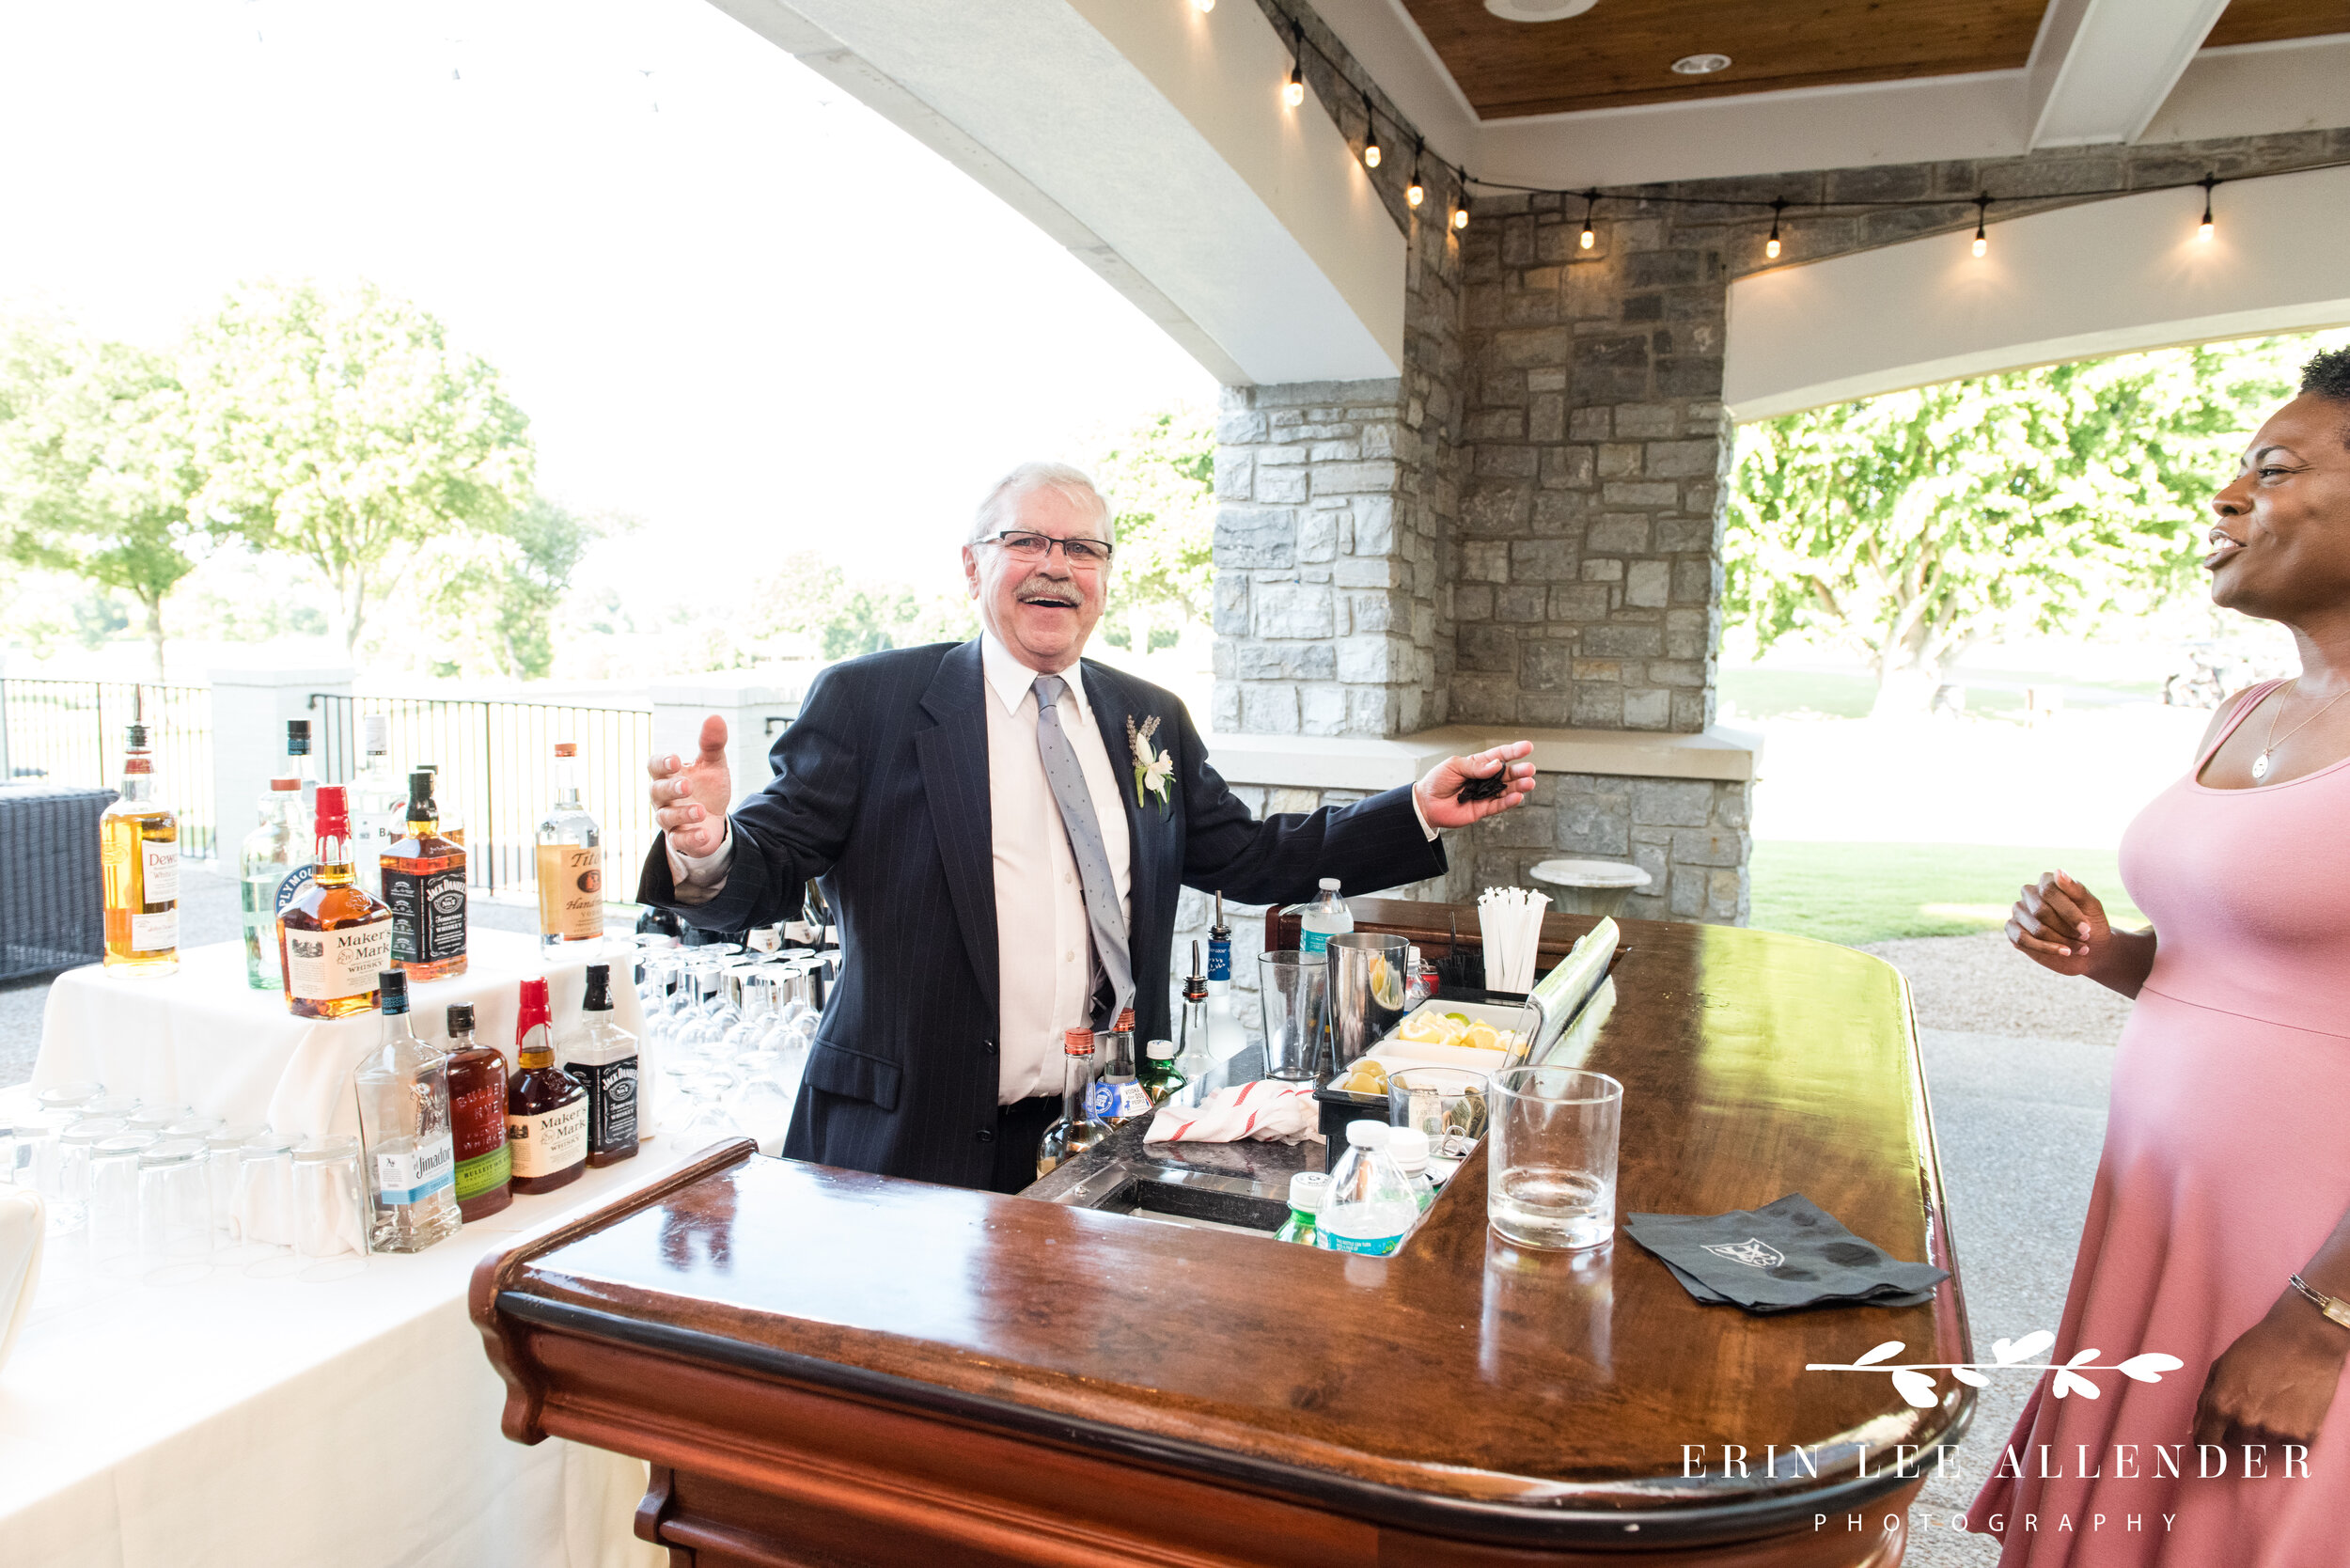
x=1293, y=989
x=327, y=1200
x=114, y=1199
x=1551, y=1156
x=153, y=1115
x=65, y=1178
x=261, y=1210
x=224, y=1151
x=175, y=1203
x=1445, y=1103
x=1366, y=992
x=706, y=1117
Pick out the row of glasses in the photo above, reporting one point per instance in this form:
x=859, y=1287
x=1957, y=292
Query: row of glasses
x=732, y=1029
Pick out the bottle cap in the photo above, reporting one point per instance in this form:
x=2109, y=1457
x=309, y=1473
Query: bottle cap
x=331, y=812
x=1411, y=954
x=534, y=1009
x=1074, y=1042
x=1125, y=1024
x=459, y=1019
x=566, y=748
x=1329, y=885
x=599, y=999
x=1408, y=1146
x=286, y=786
x=1366, y=1134
x=1160, y=1050
x=421, y=784
x=134, y=736
x=392, y=987
x=1306, y=1190
x=297, y=737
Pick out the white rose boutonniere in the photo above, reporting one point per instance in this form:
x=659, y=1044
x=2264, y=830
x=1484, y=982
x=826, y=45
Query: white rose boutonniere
x=1152, y=768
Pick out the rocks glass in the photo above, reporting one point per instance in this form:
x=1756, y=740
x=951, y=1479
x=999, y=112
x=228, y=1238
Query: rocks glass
x=1550, y=1177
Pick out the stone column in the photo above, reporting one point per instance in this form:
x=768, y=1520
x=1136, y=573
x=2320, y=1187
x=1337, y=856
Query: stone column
x=250, y=708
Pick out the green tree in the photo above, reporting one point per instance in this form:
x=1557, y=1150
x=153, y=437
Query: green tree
x=810, y=599
x=1160, y=477
x=344, y=429
x=1913, y=524
x=97, y=468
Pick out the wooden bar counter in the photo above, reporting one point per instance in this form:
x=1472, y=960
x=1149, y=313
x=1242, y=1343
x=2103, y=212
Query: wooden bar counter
x=830, y=1368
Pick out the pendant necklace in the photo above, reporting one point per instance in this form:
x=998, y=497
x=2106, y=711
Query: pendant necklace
x=2259, y=763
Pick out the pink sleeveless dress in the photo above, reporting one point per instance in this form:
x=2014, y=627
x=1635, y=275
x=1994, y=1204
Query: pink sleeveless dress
x=2225, y=1165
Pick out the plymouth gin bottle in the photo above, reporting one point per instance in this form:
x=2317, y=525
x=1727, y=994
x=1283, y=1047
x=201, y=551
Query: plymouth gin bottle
x=424, y=882
x=410, y=1158
x=378, y=804
x=272, y=865
x=1077, y=1130
x=570, y=863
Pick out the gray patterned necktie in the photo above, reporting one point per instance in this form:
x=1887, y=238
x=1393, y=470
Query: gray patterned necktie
x=1068, y=782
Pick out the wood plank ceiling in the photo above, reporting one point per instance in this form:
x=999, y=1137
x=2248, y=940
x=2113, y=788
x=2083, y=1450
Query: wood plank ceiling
x=1621, y=52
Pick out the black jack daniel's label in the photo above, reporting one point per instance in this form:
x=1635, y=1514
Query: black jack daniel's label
x=428, y=914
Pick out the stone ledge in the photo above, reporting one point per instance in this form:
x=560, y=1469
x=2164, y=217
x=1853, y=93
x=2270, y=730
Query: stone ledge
x=1347, y=762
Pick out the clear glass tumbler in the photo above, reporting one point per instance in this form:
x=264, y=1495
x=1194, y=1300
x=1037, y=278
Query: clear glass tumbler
x=327, y=1199
x=114, y=1199
x=1550, y=1158
x=65, y=1171
x=1447, y=1104
x=261, y=1210
x=1294, y=991
x=224, y=1151
x=175, y=1203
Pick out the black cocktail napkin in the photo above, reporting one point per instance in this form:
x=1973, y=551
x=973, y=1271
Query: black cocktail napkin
x=1784, y=1255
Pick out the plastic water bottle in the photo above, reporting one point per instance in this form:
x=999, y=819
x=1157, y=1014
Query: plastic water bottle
x=1323, y=918
x=1306, y=1194
x=1408, y=1148
x=1369, y=1206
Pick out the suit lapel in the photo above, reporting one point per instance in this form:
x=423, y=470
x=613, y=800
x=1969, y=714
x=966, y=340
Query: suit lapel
x=953, y=757
x=1107, y=695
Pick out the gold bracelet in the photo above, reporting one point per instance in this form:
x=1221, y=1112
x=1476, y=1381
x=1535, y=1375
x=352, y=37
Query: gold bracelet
x=2333, y=1307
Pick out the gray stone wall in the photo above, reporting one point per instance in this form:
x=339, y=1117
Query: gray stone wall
x=1690, y=835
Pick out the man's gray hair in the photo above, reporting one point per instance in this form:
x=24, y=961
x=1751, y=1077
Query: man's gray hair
x=995, y=512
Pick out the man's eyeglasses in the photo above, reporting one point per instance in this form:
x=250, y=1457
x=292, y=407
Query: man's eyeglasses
x=1081, y=554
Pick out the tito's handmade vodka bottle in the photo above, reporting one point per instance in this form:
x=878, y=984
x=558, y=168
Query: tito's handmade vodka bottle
x=570, y=863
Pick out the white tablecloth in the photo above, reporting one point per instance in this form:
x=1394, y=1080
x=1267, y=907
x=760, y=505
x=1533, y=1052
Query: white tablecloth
x=343, y=1418
x=204, y=1038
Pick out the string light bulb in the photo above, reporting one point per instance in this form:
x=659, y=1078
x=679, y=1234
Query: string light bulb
x=1770, y=246
x=1414, y=192
x=1371, y=134
x=1460, y=212
x=1204, y=7
x=1983, y=241
x=1587, y=240
x=1294, y=91
x=2205, y=232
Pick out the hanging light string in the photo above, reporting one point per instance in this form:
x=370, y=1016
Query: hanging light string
x=1777, y=207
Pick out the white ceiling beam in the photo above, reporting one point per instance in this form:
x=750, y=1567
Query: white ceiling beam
x=2100, y=69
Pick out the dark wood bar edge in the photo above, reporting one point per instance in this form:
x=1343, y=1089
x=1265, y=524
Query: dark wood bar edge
x=829, y=1368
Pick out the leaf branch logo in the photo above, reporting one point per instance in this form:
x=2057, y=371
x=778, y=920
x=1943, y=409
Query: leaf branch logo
x=1911, y=1377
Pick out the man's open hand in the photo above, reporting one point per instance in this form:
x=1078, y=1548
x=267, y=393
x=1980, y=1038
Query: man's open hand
x=1439, y=793
x=690, y=799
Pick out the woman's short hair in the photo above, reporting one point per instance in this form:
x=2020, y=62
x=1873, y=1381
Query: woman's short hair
x=2328, y=375
x=995, y=512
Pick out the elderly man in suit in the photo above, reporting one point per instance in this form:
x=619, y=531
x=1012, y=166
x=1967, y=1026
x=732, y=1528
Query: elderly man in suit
x=1002, y=830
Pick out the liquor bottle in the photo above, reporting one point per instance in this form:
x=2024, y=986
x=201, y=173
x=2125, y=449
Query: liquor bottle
x=1224, y=1036
x=1075, y=1131
x=476, y=1113
x=272, y=867
x=546, y=1110
x=410, y=1158
x=138, y=857
x=378, y=803
x=424, y=883
x=335, y=938
x=450, y=802
x=570, y=863
x=1119, y=1096
x=602, y=1057
x=1160, y=1079
x=299, y=766
x=1195, y=1061
x=1323, y=918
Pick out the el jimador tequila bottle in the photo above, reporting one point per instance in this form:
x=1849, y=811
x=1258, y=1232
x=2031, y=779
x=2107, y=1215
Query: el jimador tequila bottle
x=138, y=855
x=273, y=867
x=335, y=938
x=410, y=1157
x=570, y=863
x=424, y=883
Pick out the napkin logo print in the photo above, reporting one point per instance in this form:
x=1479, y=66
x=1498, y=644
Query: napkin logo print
x=1753, y=1252
x=1911, y=1377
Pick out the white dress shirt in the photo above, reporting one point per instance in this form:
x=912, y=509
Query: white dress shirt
x=1044, y=986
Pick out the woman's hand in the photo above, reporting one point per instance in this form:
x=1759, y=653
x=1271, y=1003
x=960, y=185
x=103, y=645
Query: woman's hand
x=2059, y=924
x=2275, y=1383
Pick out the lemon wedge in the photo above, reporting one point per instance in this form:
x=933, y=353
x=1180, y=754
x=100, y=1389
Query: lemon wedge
x=1481, y=1037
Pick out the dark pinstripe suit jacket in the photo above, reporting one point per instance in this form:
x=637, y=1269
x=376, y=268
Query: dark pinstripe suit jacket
x=881, y=793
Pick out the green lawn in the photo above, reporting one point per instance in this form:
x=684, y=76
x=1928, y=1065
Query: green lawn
x=1858, y=893
x=1769, y=693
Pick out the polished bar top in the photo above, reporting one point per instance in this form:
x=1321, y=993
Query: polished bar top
x=1460, y=1382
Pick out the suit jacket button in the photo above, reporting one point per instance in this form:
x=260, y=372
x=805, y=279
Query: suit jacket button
x=988, y=1046
x=987, y=1134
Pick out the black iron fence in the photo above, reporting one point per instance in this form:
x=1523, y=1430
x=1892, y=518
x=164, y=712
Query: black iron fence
x=69, y=733
x=495, y=766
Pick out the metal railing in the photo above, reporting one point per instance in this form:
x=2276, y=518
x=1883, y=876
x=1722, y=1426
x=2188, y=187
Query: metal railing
x=495, y=766
x=69, y=733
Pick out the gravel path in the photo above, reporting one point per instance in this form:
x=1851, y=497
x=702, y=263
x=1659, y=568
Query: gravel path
x=1981, y=985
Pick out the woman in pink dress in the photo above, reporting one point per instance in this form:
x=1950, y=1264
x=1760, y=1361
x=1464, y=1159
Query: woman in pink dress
x=2219, y=1228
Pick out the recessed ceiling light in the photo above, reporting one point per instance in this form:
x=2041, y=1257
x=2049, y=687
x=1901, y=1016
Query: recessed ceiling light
x=1700, y=65
x=1537, y=11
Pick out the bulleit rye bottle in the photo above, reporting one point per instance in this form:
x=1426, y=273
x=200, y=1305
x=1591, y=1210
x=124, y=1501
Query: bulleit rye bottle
x=335, y=938
x=138, y=853
x=570, y=863
x=424, y=885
